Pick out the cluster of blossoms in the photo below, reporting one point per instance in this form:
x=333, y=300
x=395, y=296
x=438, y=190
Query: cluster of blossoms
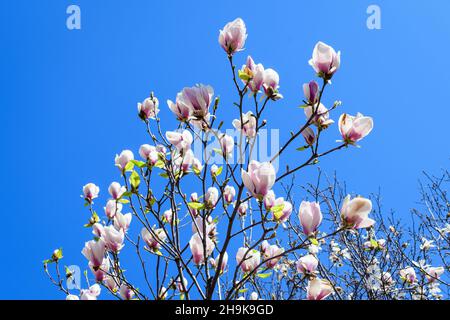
x=163, y=210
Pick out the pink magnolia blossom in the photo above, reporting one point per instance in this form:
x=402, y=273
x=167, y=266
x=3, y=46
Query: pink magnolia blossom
x=408, y=274
x=126, y=292
x=210, y=226
x=243, y=207
x=196, y=246
x=355, y=128
x=355, y=212
x=325, y=60
x=113, y=238
x=123, y=159
x=153, y=239
x=90, y=192
x=229, y=193
x=311, y=92
x=232, y=37
x=72, y=297
x=211, y=197
x=168, y=216
x=251, y=261
x=197, y=99
x=116, y=190
x=272, y=253
x=181, y=141
x=248, y=125
x=122, y=221
x=318, y=289
x=307, y=265
x=90, y=294
x=94, y=251
x=322, y=116
x=255, y=73
x=269, y=200
x=181, y=110
x=227, y=145
x=148, y=109
x=285, y=212
x=214, y=262
x=310, y=217
x=271, y=80
x=309, y=136
x=259, y=178
x=149, y=153
x=112, y=208
x=434, y=273
x=101, y=271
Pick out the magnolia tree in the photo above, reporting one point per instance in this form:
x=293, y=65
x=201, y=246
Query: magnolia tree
x=204, y=221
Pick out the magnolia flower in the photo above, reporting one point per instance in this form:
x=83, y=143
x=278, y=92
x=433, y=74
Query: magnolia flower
x=197, y=165
x=90, y=192
x=122, y=221
x=90, y=294
x=153, y=239
x=255, y=75
x=211, y=197
x=183, y=161
x=113, y=238
x=94, y=251
x=110, y=283
x=215, y=262
x=72, y=297
x=311, y=91
x=259, y=178
x=168, y=216
x=269, y=200
x=181, y=141
x=309, y=135
x=325, y=60
x=243, y=207
x=354, y=129
x=272, y=251
x=100, y=272
x=149, y=109
x=97, y=230
x=310, y=217
x=284, y=214
x=149, y=153
x=112, y=208
x=355, y=212
x=116, y=190
x=210, y=226
x=181, y=110
x=247, y=126
x=307, y=265
x=181, y=285
x=197, y=99
x=228, y=193
x=250, y=262
x=318, y=289
x=214, y=170
x=126, y=292
x=254, y=296
x=434, y=273
x=408, y=274
x=270, y=84
x=227, y=145
x=196, y=245
x=426, y=244
x=123, y=159
x=232, y=37
x=387, y=279
x=321, y=116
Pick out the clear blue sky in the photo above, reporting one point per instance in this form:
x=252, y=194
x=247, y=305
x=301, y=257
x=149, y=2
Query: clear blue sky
x=68, y=99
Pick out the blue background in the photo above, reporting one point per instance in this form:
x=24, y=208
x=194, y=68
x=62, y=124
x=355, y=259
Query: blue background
x=68, y=100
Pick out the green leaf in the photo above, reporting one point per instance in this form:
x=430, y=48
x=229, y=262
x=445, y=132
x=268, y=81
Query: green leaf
x=135, y=180
x=57, y=254
x=124, y=201
x=314, y=241
x=164, y=175
x=264, y=275
x=160, y=164
x=196, y=205
x=217, y=150
x=127, y=194
x=243, y=290
x=129, y=166
x=219, y=171
x=243, y=76
x=302, y=148
x=139, y=164
x=303, y=106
